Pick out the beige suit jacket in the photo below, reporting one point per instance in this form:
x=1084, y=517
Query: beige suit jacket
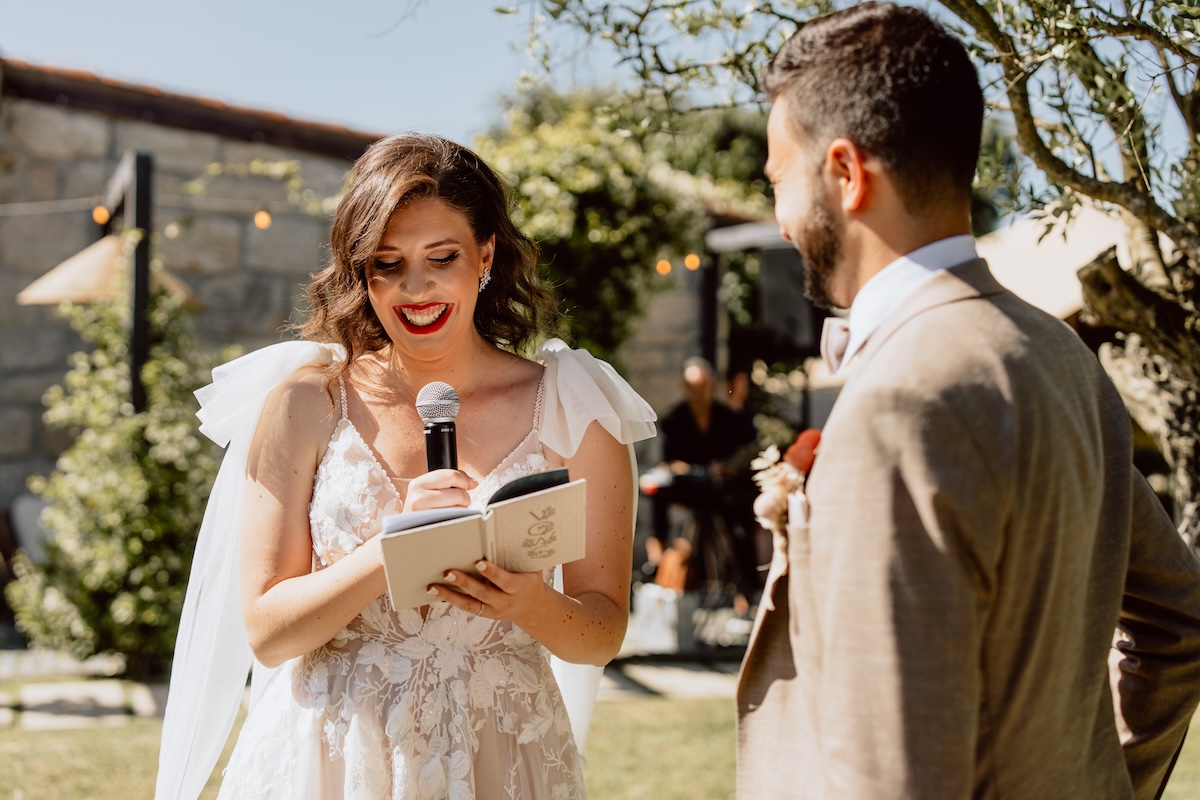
x=942, y=627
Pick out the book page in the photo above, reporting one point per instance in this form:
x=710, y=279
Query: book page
x=540, y=530
x=415, y=519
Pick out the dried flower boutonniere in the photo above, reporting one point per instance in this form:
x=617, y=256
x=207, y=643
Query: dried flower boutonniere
x=781, y=479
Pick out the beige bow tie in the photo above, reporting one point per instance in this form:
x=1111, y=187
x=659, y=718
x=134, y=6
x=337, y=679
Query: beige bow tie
x=835, y=337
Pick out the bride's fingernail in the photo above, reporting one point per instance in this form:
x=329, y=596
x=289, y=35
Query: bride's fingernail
x=450, y=577
x=481, y=566
x=433, y=590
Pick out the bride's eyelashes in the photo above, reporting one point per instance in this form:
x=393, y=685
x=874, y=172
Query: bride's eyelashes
x=387, y=266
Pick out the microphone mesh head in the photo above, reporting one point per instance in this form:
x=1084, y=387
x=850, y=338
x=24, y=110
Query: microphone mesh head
x=437, y=402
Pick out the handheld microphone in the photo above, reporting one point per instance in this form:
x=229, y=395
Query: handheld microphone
x=437, y=406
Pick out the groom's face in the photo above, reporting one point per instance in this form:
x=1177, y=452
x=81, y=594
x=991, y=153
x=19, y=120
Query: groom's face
x=805, y=216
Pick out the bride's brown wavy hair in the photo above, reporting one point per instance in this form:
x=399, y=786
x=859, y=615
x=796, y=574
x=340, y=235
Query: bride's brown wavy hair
x=393, y=172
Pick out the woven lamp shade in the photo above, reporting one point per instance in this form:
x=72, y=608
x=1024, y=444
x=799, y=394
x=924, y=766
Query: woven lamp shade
x=95, y=273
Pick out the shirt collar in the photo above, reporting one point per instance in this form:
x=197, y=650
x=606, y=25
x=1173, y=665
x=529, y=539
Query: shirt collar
x=887, y=290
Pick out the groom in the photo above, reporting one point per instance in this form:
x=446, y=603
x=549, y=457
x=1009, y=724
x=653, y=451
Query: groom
x=942, y=625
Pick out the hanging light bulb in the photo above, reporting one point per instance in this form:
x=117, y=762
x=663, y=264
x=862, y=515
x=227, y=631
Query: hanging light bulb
x=692, y=262
x=262, y=219
x=663, y=267
x=100, y=215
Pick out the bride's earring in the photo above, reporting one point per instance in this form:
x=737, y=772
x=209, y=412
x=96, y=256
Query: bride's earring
x=486, y=279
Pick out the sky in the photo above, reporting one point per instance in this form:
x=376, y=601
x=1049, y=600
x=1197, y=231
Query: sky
x=377, y=66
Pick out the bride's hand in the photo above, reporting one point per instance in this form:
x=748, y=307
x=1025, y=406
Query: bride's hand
x=499, y=594
x=442, y=488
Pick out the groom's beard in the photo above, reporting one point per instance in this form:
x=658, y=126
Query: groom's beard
x=820, y=246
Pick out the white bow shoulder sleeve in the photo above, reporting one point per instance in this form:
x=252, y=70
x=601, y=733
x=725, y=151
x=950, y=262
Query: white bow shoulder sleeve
x=212, y=656
x=581, y=389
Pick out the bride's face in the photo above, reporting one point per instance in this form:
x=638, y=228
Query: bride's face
x=423, y=281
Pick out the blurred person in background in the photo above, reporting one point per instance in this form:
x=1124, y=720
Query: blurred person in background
x=706, y=450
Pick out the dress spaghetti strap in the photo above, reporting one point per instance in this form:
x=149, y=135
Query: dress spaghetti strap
x=537, y=406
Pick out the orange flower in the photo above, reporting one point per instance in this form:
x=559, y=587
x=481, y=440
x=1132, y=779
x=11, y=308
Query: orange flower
x=803, y=451
x=778, y=478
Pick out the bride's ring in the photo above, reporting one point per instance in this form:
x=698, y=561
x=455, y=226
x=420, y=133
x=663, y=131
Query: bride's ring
x=479, y=613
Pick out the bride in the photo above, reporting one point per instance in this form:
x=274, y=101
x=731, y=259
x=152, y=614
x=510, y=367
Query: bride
x=428, y=280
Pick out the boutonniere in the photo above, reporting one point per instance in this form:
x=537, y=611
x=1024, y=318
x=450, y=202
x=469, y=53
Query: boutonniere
x=781, y=480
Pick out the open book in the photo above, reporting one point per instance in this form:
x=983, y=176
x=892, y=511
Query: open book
x=531, y=524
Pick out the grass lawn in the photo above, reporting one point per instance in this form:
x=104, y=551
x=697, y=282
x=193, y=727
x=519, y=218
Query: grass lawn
x=1185, y=780
x=661, y=749
x=644, y=747
x=103, y=763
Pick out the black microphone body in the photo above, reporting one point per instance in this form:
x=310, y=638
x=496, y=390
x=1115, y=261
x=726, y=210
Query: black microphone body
x=437, y=405
x=441, y=446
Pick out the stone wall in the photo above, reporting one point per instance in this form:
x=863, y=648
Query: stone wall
x=248, y=280
x=666, y=335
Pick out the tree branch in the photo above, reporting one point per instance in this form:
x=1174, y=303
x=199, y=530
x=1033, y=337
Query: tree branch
x=1183, y=101
x=1140, y=31
x=1140, y=203
x=1116, y=299
x=1191, y=114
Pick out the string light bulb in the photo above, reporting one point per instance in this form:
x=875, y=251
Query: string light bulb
x=100, y=215
x=262, y=219
x=663, y=267
x=692, y=262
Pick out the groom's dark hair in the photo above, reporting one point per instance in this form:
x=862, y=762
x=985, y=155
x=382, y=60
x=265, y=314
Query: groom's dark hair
x=897, y=84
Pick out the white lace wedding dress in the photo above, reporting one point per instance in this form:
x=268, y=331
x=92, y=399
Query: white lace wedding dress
x=422, y=703
x=419, y=704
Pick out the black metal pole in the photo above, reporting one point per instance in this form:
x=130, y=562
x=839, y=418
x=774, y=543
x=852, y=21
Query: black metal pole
x=708, y=308
x=138, y=215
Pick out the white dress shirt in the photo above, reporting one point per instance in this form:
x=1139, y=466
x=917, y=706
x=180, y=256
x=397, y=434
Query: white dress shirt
x=887, y=290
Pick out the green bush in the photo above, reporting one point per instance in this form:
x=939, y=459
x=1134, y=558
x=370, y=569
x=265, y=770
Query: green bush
x=596, y=188
x=126, y=499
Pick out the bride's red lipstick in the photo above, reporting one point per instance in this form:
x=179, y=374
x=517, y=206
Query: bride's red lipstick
x=432, y=327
